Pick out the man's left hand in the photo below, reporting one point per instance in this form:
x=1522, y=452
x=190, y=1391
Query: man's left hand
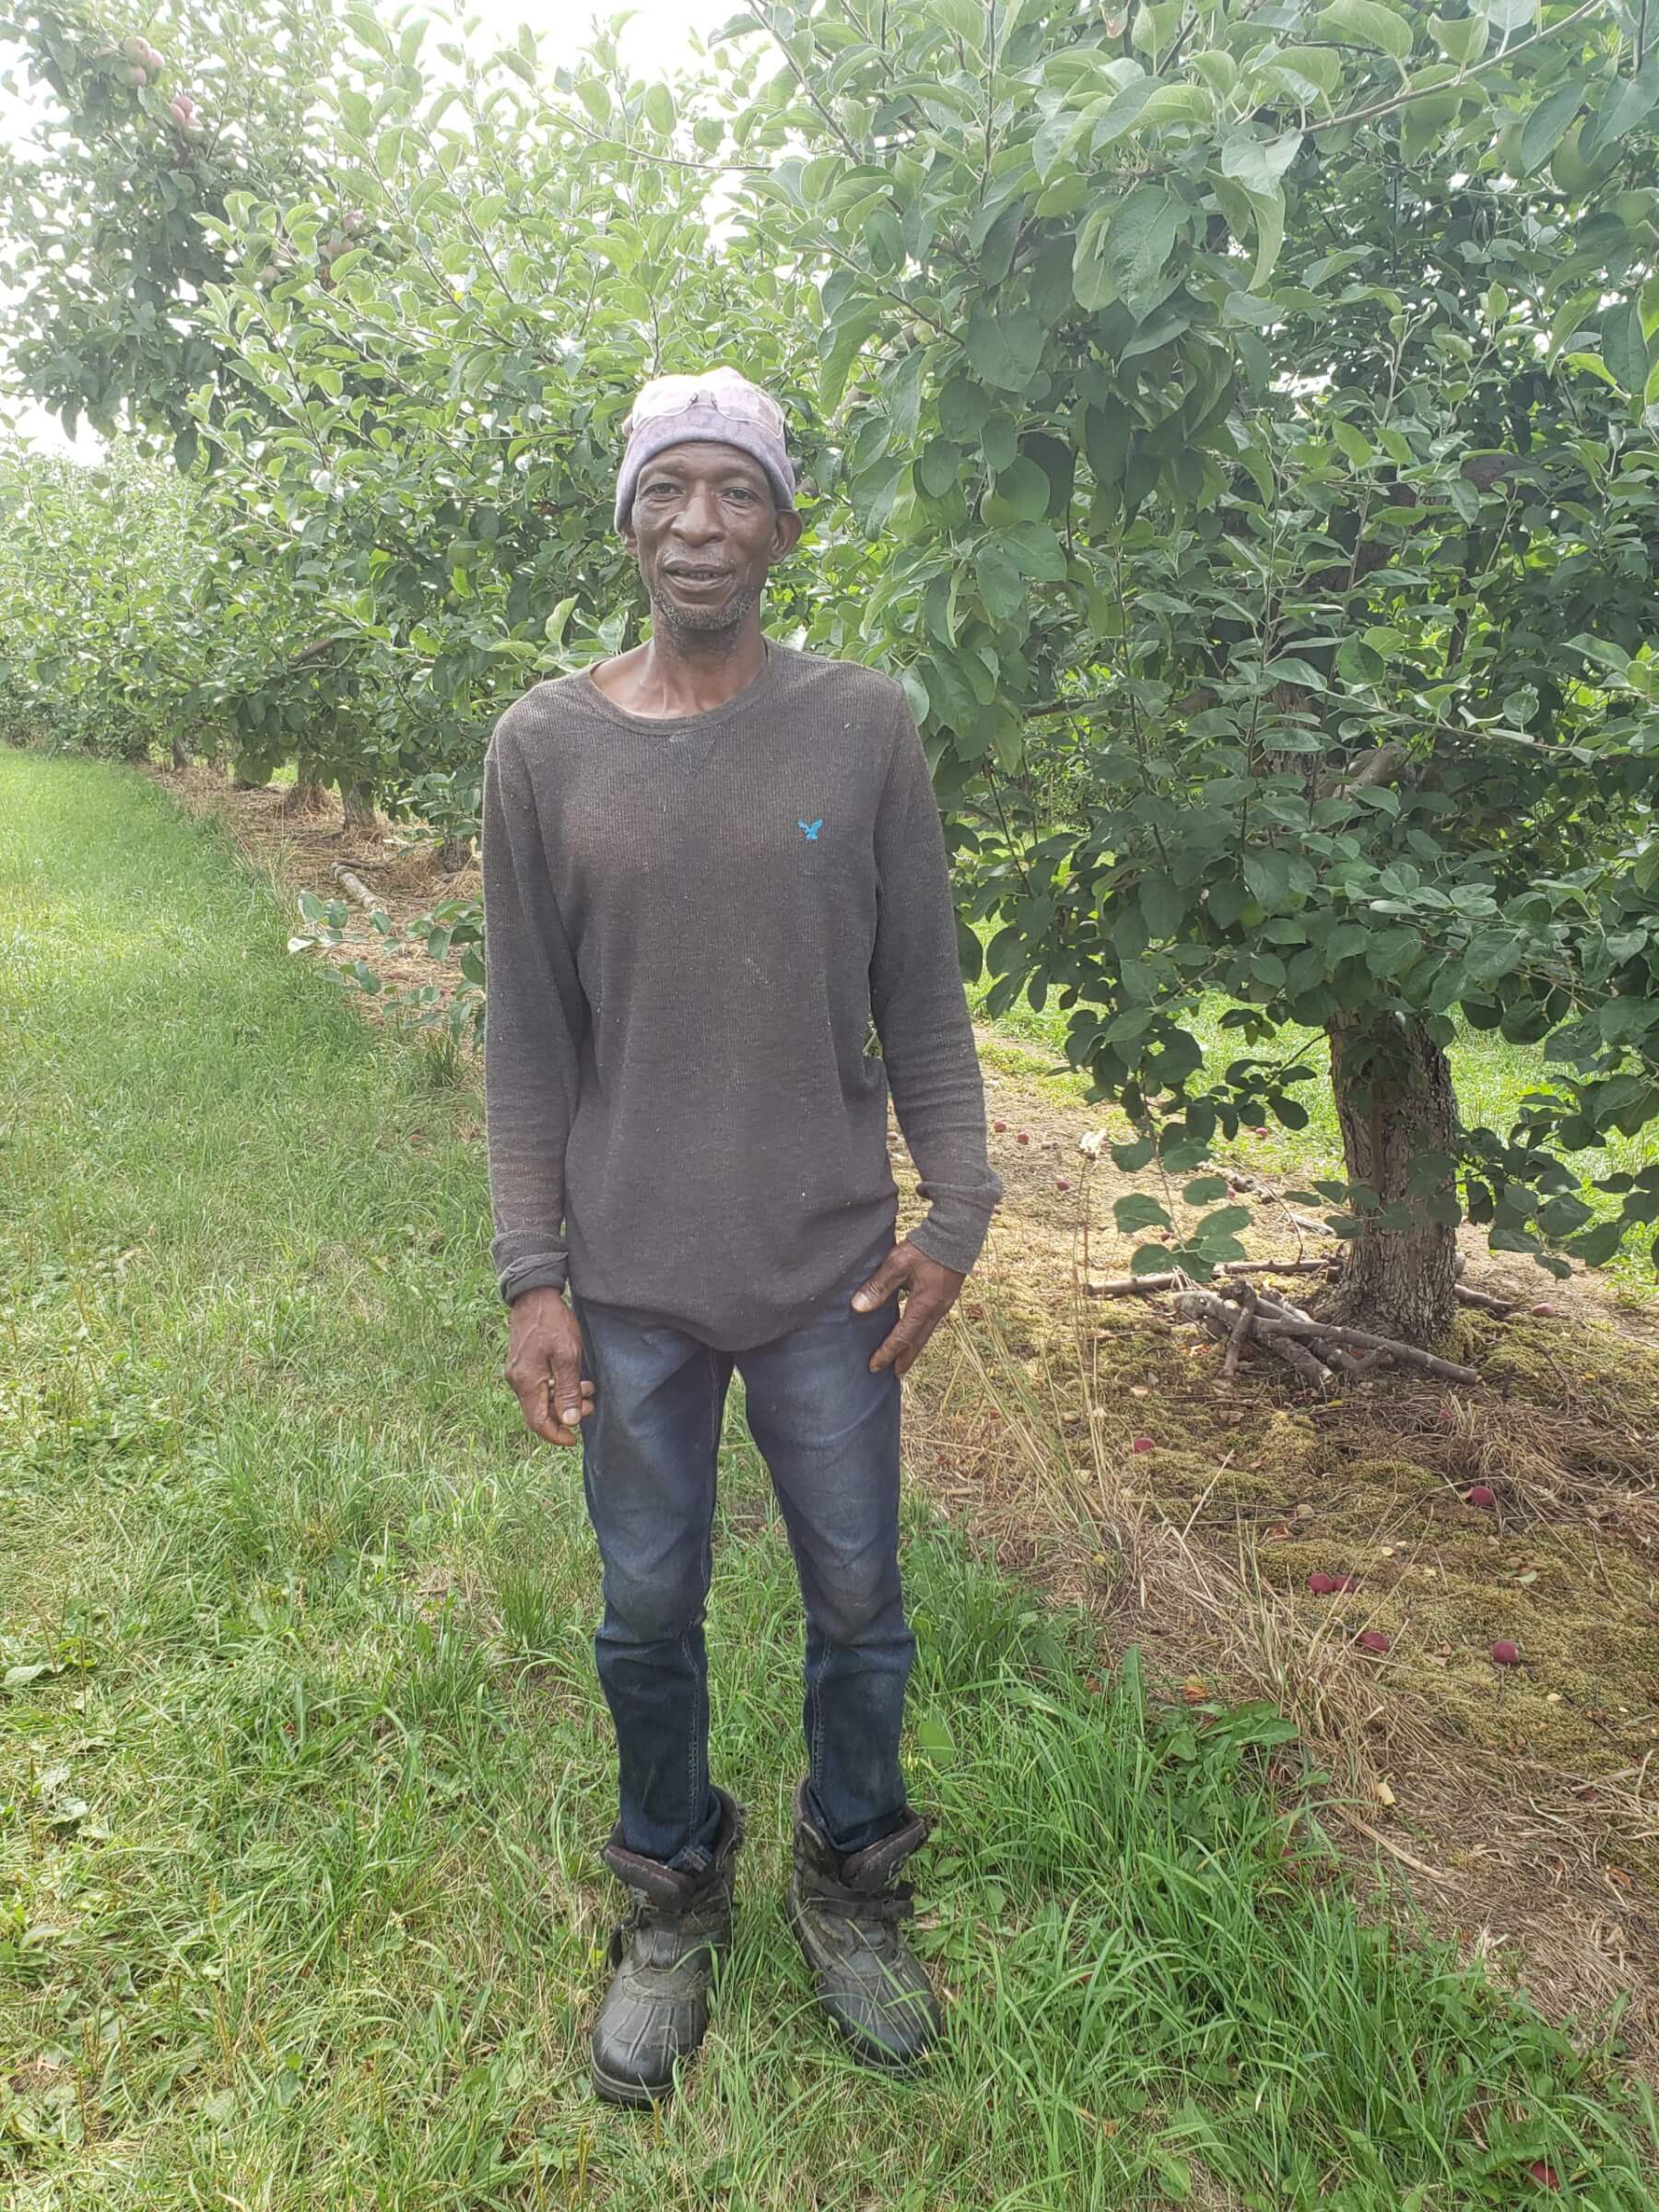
x=930, y=1290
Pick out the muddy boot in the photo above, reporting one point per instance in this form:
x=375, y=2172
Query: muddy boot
x=846, y=1914
x=658, y=2006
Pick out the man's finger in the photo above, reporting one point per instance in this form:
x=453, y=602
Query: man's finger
x=565, y=1397
x=887, y=1279
x=898, y=1347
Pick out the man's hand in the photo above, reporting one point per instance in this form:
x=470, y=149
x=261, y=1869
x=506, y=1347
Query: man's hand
x=930, y=1290
x=544, y=1366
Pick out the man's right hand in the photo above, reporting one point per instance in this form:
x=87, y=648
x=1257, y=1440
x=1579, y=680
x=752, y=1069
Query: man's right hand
x=544, y=1366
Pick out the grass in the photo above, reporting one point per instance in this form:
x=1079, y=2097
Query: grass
x=302, y=1767
x=1491, y=1076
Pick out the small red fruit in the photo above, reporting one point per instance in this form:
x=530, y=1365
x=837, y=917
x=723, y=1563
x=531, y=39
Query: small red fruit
x=1547, y=1311
x=1261, y=1129
x=1374, y=1640
x=1023, y=1137
x=1141, y=1443
x=1322, y=1585
x=1545, y=2174
x=1505, y=1653
x=999, y=1126
x=1480, y=1495
x=1344, y=1584
x=1061, y=1183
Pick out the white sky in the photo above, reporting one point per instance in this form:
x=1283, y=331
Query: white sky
x=655, y=42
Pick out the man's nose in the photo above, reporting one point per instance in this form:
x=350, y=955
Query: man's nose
x=699, y=517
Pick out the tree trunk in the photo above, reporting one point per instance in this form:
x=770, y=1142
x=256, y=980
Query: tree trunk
x=310, y=794
x=180, y=753
x=1395, y=1104
x=359, y=800
x=454, y=854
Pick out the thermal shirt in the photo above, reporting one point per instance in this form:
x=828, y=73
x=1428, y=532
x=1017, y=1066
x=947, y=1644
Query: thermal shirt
x=714, y=945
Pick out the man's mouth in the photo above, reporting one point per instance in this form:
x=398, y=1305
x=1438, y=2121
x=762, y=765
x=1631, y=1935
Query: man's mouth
x=685, y=575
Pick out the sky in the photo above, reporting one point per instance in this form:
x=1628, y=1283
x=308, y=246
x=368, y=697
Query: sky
x=657, y=41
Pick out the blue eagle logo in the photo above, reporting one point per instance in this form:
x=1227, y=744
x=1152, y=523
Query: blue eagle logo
x=809, y=829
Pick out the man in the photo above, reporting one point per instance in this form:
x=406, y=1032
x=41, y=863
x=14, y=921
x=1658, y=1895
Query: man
x=710, y=863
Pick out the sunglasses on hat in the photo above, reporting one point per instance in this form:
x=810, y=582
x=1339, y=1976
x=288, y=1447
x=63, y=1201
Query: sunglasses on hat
x=722, y=390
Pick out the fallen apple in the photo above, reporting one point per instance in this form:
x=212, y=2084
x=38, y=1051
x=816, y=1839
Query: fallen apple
x=1023, y=1137
x=1546, y=1312
x=1479, y=1494
x=1545, y=2174
x=1374, y=1640
x=1322, y=1585
x=1061, y=1183
x=1505, y=1653
x=999, y=1126
x=1142, y=1443
x=1346, y=1584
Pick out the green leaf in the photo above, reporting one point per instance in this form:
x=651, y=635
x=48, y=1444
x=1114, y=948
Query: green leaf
x=1124, y=245
x=1624, y=106
x=1206, y=1190
x=1354, y=442
x=1025, y=486
x=1624, y=346
x=1005, y=346
x=1545, y=126
x=659, y=109
x=1463, y=40
x=1138, y=1209
x=1162, y=905
x=1258, y=164
x=1366, y=23
x=933, y=1738
x=1269, y=209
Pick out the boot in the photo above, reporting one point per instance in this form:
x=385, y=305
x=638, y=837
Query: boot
x=845, y=1913
x=658, y=2006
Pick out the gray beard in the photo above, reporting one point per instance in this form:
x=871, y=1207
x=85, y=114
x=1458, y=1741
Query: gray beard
x=703, y=621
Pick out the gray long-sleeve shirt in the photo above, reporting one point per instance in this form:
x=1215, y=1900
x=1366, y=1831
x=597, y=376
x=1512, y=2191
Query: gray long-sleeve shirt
x=690, y=923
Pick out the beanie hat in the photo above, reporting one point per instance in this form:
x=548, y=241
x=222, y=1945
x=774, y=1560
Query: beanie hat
x=720, y=406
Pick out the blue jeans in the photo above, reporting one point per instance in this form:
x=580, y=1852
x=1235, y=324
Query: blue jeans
x=829, y=1431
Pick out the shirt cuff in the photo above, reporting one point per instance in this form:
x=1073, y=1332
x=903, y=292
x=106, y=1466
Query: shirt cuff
x=953, y=1234
x=547, y=1271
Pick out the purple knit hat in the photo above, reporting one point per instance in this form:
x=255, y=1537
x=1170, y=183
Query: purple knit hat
x=720, y=406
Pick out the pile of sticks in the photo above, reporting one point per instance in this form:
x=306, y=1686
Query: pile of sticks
x=1321, y=1355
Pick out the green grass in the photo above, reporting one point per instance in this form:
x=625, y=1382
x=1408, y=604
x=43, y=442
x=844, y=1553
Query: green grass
x=1491, y=1075
x=303, y=1769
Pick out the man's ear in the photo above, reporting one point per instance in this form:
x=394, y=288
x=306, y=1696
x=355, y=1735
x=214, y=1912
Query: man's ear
x=630, y=542
x=786, y=533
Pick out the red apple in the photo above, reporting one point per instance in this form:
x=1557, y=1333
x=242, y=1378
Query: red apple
x=1505, y=1653
x=1479, y=1495
x=1346, y=1584
x=1547, y=1311
x=999, y=1126
x=1023, y=1137
x=1322, y=1585
x=1142, y=1443
x=1543, y=2174
x=1061, y=1183
x=1374, y=1640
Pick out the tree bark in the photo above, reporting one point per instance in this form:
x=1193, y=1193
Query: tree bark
x=358, y=801
x=180, y=753
x=1395, y=1103
x=310, y=794
x=454, y=854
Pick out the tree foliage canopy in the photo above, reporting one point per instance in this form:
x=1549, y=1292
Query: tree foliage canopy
x=1237, y=424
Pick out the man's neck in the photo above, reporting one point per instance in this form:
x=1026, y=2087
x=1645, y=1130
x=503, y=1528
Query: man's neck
x=685, y=673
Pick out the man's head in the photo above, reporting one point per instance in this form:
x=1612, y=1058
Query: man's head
x=705, y=499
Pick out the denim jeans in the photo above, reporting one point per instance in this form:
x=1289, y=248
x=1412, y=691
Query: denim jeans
x=829, y=1431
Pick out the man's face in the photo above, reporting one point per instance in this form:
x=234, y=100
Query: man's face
x=705, y=530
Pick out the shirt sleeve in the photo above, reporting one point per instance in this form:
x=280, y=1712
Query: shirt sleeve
x=534, y=1017
x=921, y=1012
